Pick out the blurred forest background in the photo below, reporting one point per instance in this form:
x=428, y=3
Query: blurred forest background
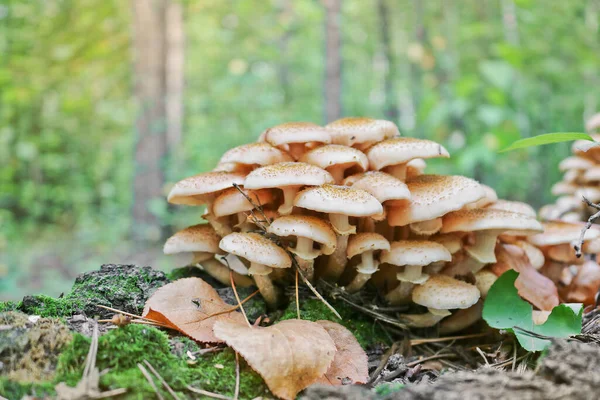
x=105, y=103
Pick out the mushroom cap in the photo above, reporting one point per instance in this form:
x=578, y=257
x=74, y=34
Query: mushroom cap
x=513, y=206
x=384, y=187
x=575, y=162
x=297, y=132
x=445, y=293
x=572, y=175
x=592, y=123
x=231, y=201
x=536, y=256
x=592, y=174
x=592, y=193
x=256, y=249
x=562, y=188
x=366, y=241
x=339, y=200
x=560, y=232
x=335, y=154
x=402, y=150
x=197, y=189
x=415, y=167
x=415, y=252
x=484, y=279
x=489, y=198
x=451, y=241
x=305, y=226
x=196, y=238
x=287, y=174
x=358, y=130
x=255, y=153
x=433, y=196
x=585, y=147
x=485, y=219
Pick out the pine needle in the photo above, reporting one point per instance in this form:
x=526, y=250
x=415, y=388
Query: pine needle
x=297, y=296
x=237, y=297
x=207, y=393
x=237, y=376
x=150, y=380
x=160, y=378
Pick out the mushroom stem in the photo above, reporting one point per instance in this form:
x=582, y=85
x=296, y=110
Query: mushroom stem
x=289, y=192
x=267, y=289
x=401, y=294
x=462, y=319
x=296, y=150
x=338, y=173
x=221, y=273
x=341, y=225
x=397, y=171
x=307, y=267
x=219, y=224
x=412, y=272
x=366, y=268
x=483, y=248
x=304, y=249
x=425, y=320
x=358, y=282
x=337, y=260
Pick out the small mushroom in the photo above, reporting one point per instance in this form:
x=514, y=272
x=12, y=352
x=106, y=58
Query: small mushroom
x=296, y=137
x=263, y=255
x=365, y=244
x=484, y=280
x=235, y=202
x=254, y=155
x=337, y=160
x=489, y=199
x=361, y=133
x=202, y=189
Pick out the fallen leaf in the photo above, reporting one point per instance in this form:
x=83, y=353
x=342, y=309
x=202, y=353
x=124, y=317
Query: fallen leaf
x=350, y=364
x=188, y=305
x=289, y=355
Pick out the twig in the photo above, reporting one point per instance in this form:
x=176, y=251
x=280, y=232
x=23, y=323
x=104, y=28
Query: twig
x=384, y=360
x=128, y=314
x=297, y=296
x=312, y=288
x=433, y=357
x=150, y=381
x=160, y=378
x=237, y=297
x=578, y=246
x=207, y=393
x=514, y=364
x=255, y=206
x=483, y=356
x=416, y=342
x=504, y=363
x=236, y=393
x=233, y=308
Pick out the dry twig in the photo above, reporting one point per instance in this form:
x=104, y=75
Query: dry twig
x=207, y=393
x=150, y=381
x=160, y=378
x=587, y=226
x=236, y=393
x=237, y=297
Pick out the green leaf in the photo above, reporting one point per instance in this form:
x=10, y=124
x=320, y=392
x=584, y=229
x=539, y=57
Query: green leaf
x=547, y=138
x=505, y=309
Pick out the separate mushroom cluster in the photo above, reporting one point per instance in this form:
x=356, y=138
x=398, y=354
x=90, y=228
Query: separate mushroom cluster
x=350, y=203
x=581, y=178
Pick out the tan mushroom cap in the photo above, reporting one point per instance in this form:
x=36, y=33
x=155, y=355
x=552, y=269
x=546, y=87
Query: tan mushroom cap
x=339, y=200
x=513, y=206
x=415, y=167
x=445, y=293
x=287, y=174
x=297, y=132
x=433, y=196
x=572, y=175
x=591, y=174
x=564, y=188
x=402, y=150
x=592, y=193
x=415, y=252
x=489, y=198
x=232, y=201
x=535, y=255
x=196, y=238
x=366, y=241
x=560, y=232
x=198, y=189
x=304, y=226
x=593, y=123
x=575, y=162
x=332, y=155
x=384, y=187
x=585, y=148
x=361, y=132
x=255, y=154
x=485, y=219
x=256, y=249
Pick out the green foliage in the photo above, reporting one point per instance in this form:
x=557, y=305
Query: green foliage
x=46, y=306
x=504, y=309
x=9, y=306
x=18, y=390
x=366, y=331
x=547, y=138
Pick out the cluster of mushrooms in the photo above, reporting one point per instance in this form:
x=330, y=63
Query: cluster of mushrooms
x=350, y=203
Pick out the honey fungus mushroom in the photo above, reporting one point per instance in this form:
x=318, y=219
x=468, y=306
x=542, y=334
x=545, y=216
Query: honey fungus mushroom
x=297, y=137
x=202, y=189
x=289, y=177
x=337, y=159
x=254, y=155
x=361, y=132
x=307, y=231
x=263, y=255
x=365, y=245
x=234, y=202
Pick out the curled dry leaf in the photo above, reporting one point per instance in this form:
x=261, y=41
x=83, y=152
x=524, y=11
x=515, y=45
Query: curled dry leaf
x=585, y=285
x=189, y=305
x=289, y=355
x=350, y=364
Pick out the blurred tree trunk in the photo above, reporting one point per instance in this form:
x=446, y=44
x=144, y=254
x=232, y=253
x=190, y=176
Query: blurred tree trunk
x=416, y=74
x=333, y=61
x=158, y=93
x=286, y=15
x=390, y=103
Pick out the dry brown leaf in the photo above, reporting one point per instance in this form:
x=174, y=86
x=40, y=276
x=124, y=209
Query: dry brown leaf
x=350, y=364
x=188, y=305
x=289, y=355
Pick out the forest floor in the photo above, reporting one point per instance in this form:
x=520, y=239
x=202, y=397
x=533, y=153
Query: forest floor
x=44, y=345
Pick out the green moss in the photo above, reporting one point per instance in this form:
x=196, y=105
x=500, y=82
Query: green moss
x=122, y=349
x=17, y=390
x=9, y=306
x=366, y=331
x=47, y=306
x=387, y=388
x=185, y=272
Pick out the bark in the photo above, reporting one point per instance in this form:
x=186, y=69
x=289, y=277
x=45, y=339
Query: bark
x=333, y=61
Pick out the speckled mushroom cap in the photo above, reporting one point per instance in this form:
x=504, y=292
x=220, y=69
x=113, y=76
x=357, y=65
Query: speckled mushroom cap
x=366, y=241
x=197, y=238
x=513, y=206
x=591, y=175
x=359, y=132
x=196, y=189
x=402, y=150
x=231, y=201
x=415, y=252
x=336, y=154
x=309, y=227
x=489, y=198
x=575, y=162
x=445, y=293
x=287, y=174
x=585, y=148
x=339, y=200
x=592, y=193
x=433, y=196
x=560, y=232
x=256, y=249
x=255, y=153
x=297, y=132
x=484, y=219
x=384, y=187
